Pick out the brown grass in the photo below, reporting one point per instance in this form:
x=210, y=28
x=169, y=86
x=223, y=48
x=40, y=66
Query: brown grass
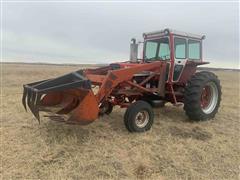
x=175, y=148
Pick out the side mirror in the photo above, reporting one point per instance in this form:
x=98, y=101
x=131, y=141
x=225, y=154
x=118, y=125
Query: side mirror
x=133, y=50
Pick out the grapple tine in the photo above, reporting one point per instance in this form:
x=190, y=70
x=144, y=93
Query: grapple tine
x=34, y=108
x=38, y=98
x=33, y=98
x=24, y=98
x=29, y=98
x=30, y=102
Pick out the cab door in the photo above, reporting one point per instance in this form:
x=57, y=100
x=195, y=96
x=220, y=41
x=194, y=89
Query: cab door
x=180, y=56
x=164, y=54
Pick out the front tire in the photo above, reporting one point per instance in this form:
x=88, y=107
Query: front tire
x=106, y=108
x=139, y=117
x=202, y=96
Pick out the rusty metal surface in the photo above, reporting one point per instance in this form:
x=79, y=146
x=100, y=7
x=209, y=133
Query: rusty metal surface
x=80, y=94
x=51, y=92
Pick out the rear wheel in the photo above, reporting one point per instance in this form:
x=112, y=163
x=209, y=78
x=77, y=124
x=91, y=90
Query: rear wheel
x=202, y=96
x=139, y=117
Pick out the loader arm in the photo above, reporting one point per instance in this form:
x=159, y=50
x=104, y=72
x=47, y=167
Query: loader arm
x=73, y=94
x=115, y=77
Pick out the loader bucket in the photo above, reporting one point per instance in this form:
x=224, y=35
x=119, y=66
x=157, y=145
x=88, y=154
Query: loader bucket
x=71, y=93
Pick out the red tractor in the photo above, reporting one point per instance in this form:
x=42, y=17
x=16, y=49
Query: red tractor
x=166, y=73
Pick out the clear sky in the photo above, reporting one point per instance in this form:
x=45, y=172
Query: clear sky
x=73, y=32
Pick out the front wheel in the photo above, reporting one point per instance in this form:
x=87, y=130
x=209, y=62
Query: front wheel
x=202, y=96
x=106, y=108
x=139, y=117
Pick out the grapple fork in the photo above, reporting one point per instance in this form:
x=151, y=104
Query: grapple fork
x=68, y=92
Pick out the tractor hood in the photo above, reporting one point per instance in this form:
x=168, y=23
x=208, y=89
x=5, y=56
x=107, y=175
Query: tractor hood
x=123, y=65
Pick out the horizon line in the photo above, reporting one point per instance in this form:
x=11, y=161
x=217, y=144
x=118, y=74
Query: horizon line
x=72, y=64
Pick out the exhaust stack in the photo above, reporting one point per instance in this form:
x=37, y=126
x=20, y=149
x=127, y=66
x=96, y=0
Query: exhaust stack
x=133, y=51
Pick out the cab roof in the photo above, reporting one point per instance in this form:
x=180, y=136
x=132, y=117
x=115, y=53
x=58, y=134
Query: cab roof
x=172, y=31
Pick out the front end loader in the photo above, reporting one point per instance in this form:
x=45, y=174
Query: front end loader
x=165, y=73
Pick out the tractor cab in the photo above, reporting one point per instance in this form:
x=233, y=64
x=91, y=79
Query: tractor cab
x=177, y=49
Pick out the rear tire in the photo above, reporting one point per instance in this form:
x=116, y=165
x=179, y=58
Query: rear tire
x=139, y=117
x=202, y=96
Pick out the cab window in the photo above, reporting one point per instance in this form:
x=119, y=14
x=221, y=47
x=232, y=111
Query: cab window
x=180, y=48
x=194, y=48
x=151, y=49
x=157, y=49
x=164, y=50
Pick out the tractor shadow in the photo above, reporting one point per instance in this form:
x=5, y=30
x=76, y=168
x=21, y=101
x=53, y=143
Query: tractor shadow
x=114, y=120
x=55, y=130
x=193, y=133
x=58, y=131
x=171, y=113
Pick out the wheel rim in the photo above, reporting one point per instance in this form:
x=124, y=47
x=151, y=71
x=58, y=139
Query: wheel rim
x=142, y=118
x=209, y=97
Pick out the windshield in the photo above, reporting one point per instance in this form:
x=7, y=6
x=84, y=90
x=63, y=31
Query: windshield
x=157, y=49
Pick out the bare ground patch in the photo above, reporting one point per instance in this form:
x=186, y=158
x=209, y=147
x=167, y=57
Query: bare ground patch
x=174, y=148
x=194, y=133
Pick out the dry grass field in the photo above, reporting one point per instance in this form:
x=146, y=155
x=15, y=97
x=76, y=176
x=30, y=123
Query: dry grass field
x=174, y=148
